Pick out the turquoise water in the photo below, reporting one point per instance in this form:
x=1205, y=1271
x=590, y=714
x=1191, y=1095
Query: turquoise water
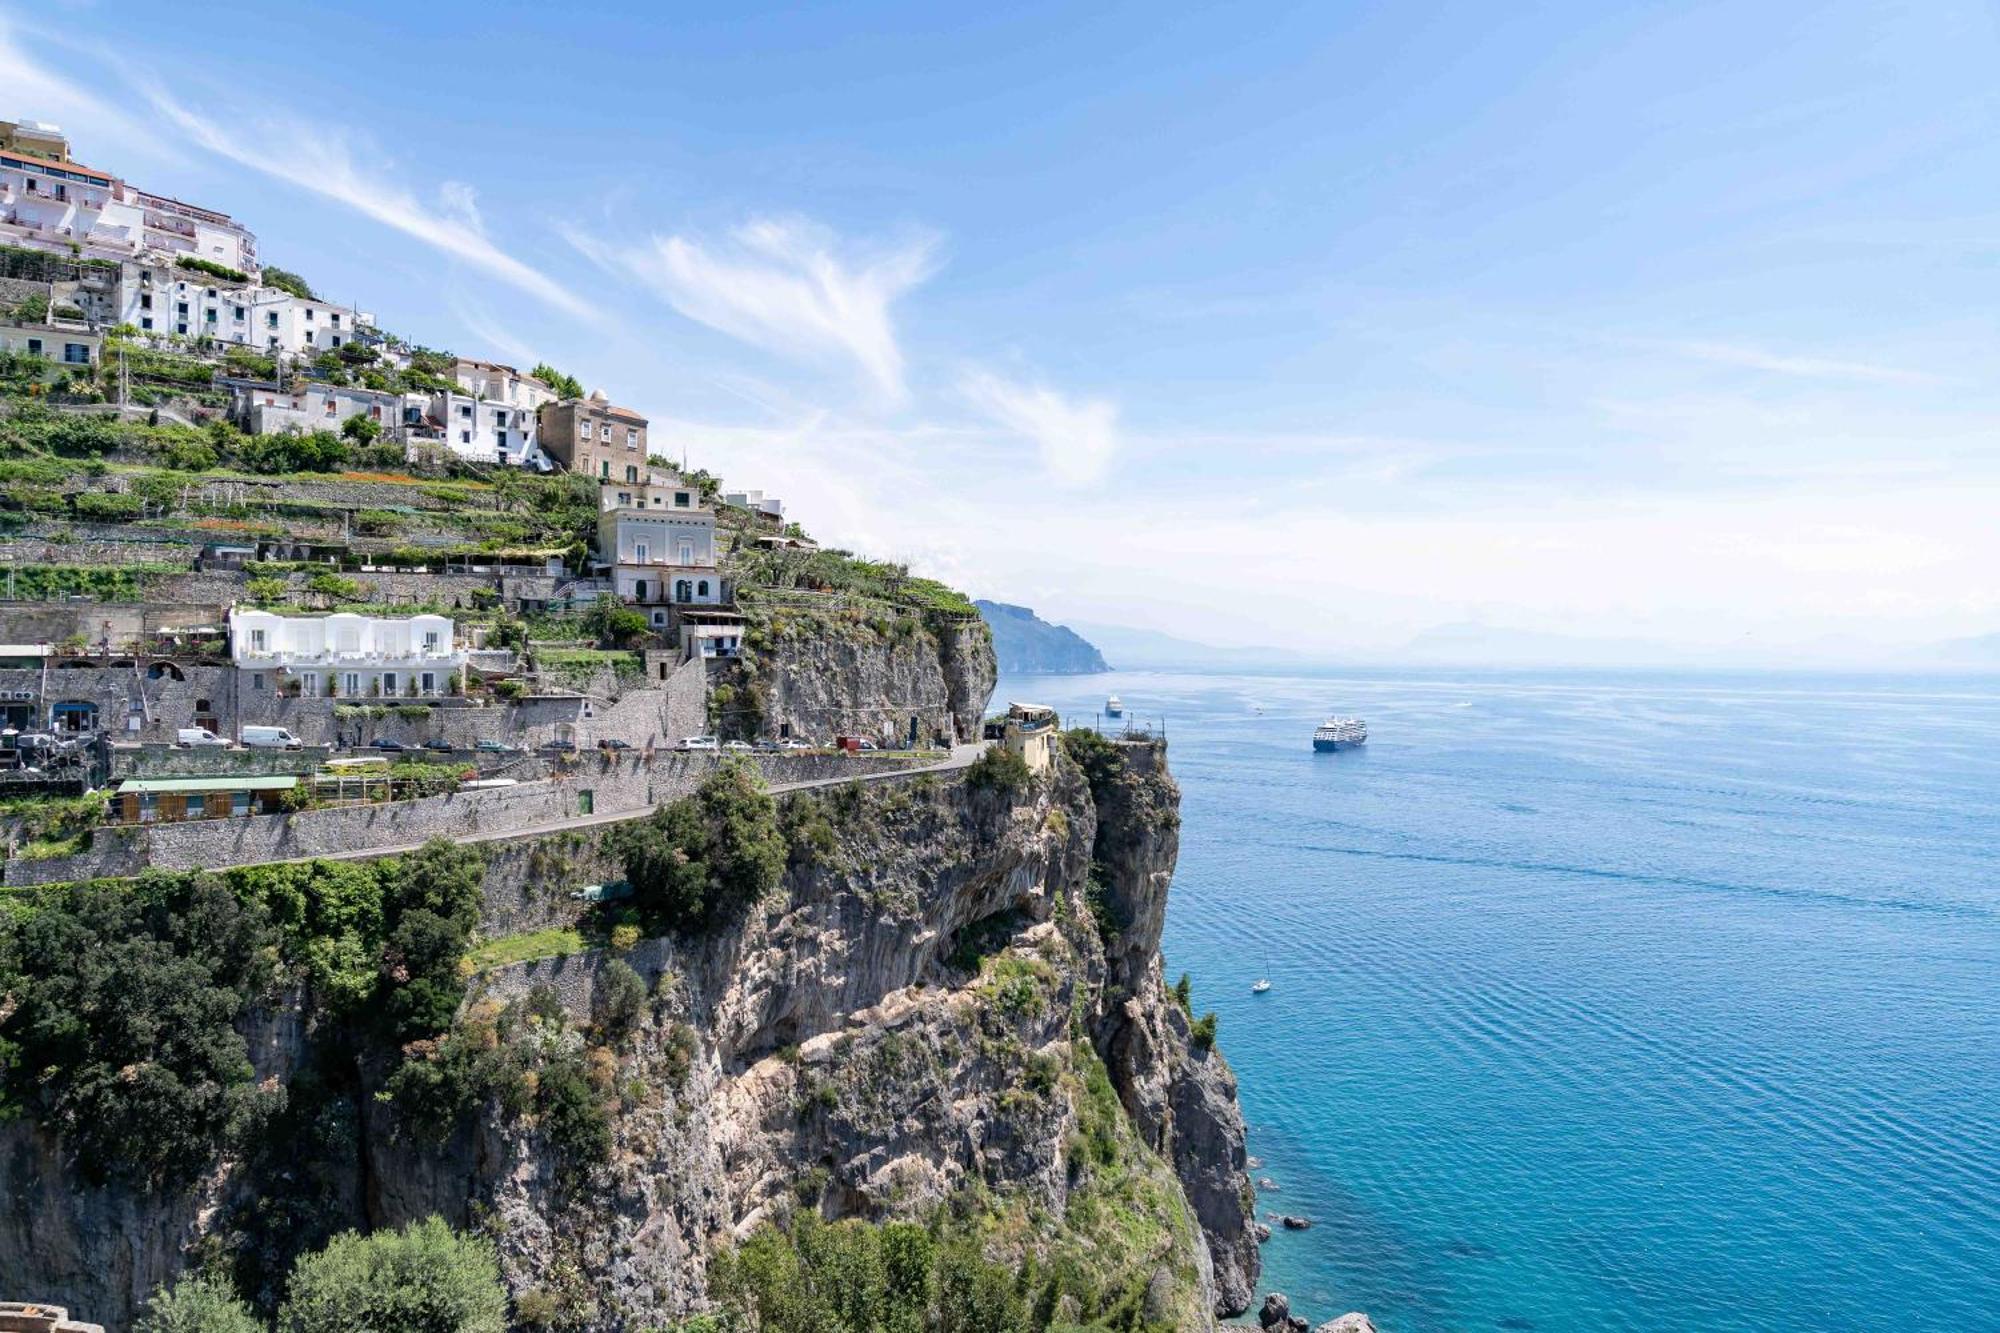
x=1603, y=1002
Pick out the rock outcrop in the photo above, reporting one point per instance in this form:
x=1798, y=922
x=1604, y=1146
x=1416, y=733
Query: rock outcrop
x=816, y=673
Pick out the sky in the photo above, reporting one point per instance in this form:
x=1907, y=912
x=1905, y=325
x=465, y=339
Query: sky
x=1317, y=325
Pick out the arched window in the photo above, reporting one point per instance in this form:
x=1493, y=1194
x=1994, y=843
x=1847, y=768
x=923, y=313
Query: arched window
x=701, y=589
x=682, y=590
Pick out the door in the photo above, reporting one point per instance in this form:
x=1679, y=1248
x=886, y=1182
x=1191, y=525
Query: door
x=586, y=802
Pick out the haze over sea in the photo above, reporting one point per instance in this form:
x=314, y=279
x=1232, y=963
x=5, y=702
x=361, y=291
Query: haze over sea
x=1602, y=1001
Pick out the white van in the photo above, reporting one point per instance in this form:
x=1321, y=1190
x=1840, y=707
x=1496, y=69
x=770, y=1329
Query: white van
x=196, y=737
x=271, y=738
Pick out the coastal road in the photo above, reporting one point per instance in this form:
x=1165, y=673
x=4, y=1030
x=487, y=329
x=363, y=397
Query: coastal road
x=961, y=758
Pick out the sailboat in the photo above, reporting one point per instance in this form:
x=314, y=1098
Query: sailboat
x=1262, y=983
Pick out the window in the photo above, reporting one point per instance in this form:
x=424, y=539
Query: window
x=388, y=682
x=271, y=319
x=683, y=590
x=309, y=314
x=145, y=300
x=631, y=439
x=640, y=552
x=681, y=499
x=145, y=321
x=351, y=685
x=465, y=411
x=335, y=317
x=604, y=469
x=239, y=312
x=208, y=315
x=181, y=308
x=430, y=682
x=181, y=327
x=336, y=340
x=239, y=803
x=256, y=680
x=76, y=354
x=256, y=640
x=34, y=347
x=309, y=685
x=687, y=553
x=430, y=641
x=701, y=589
x=331, y=407
x=631, y=472
x=465, y=437
x=604, y=434
x=149, y=807
x=583, y=430
x=309, y=337
x=639, y=591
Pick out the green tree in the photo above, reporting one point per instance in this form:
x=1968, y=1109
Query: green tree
x=198, y=1303
x=699, y=859
x=422, y=1279
x=287, y=281
x=119, y=1027
x=360, y=429
x=565, y=386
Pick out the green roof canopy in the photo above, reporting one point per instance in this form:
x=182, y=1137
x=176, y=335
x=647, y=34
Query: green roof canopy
x=258, y=783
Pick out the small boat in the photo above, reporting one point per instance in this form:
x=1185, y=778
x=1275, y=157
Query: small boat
x=1114, y=707
x=1340, y=733
x=1260, y=985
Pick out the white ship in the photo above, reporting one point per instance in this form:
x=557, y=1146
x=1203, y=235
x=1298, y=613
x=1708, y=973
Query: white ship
x=1114, y=707
x=1339, y=733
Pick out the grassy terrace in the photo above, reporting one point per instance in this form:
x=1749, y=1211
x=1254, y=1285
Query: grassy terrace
x=555, y=942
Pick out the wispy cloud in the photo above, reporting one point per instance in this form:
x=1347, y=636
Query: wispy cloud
x=322, y=161
x=1077, y=437
x=1801, y=367
x=783, y=285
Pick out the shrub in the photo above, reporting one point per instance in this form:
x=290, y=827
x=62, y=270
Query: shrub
x=999, y=769
x=623, y=937
x=422, y=1279
x=620, y=1000
x=108, y=506
x=1184, y=994
x=1202, y=1032
x=697, y=860
x=565, y=386
x=198, y=1304
x=213, y=269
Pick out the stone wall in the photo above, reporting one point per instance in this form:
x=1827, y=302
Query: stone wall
x=627, y=784
x=170, y=761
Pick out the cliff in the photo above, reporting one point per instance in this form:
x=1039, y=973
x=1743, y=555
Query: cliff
x=816, y=672
x=950, y=1007
x=1027, y=644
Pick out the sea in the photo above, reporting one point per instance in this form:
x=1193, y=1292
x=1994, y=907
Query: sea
x=1600, y=1000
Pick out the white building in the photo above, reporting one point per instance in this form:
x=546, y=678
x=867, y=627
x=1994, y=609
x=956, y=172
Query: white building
x=166, y=299
x=768, y=505
x=316, y=407
x=345, y=656
x=51, y=203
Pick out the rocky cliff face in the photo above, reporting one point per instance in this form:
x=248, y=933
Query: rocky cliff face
x=953, y=1002
x=827, y=673
x=1024, y=642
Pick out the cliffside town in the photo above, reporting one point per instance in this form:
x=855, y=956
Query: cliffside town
x=420, y=798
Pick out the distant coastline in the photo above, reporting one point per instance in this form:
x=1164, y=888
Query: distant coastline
x=1025, y=644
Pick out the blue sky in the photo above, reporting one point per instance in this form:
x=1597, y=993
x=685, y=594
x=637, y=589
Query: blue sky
x=1319, y=324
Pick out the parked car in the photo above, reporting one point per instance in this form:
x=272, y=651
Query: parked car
x=700, y=743
x=613, y=743
x=393, y=747
x=765, y=745
x=556, y=747
x=866, y=746
x=439, y=743
x=796, y=744
x=495, y=747
x=189, y=738
x=271, y=738
x=737, y=747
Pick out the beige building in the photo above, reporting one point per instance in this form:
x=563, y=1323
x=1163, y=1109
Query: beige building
x=595, y=438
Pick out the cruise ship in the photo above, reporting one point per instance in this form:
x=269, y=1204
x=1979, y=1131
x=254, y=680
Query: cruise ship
x=1339, y=733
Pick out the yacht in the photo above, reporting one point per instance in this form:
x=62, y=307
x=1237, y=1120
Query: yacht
x=1340, y=733
x=1114, y=707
